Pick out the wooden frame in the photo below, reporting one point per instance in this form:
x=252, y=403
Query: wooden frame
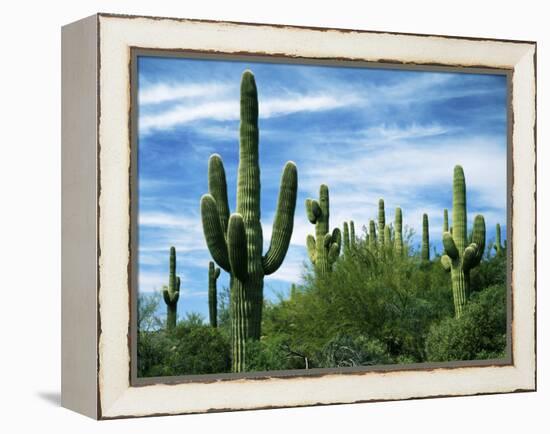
x=96, y=255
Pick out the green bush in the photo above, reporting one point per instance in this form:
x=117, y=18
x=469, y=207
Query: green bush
x=348, y=351
x=480, y=333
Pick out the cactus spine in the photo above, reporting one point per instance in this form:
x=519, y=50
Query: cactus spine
x=398, y=241
x=324, y=248
x=350, y=242
x=171, y=294
x=213, y=274
x=236, y=242
x=459, y=257
x=425, y=252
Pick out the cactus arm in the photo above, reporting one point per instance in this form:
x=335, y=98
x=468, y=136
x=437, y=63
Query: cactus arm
x=311, y=248
x=313, y=210
x=166, y=296
x=284, y=220
x=217, y=272
x=445, y=220
x=237, y=246
x=398, y=231
x=217, y=186
x=446, y=262
x=469, y=257
x=333, y=252
x=337, y=238
x=352, y=239
x=213, y=233
x=478, y=237
x=381, y=222
x=372, y=235
x=449, y=245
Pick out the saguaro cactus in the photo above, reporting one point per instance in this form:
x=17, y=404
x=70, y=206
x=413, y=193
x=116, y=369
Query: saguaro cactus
x=373, y=242
x=350, y=242
x=171, y=294
x=236, y=242
x=425, y=251
x=445, y=220
x=499, y=248
x=381, y=222
x=398, y=234
x=213, y=274
x=460, y=258
x=324, y=248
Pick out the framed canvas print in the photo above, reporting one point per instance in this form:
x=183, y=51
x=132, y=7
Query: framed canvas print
x=261, y=216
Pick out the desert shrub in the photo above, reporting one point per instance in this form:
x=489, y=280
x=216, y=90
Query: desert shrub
x=191, y=348
x=347, y=351
x=480, y=333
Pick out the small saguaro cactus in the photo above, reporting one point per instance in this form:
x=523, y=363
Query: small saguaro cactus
x=398, y=234
x=372, y=236
x=236, y=242
x=172, y=293
x=499, y=248
x=350, y=242
x=425, y=251
x=445, y=220
x=324, y=248
x=381, y=222
x=213, y=274
x=459, y=257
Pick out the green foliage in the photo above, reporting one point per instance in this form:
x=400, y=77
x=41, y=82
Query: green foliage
x=462, y=255
x=479, y=333
x=171, y=293
x=235, y=242
x=349, y=351
x=189, y=348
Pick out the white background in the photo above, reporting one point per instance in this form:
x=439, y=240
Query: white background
x=30, y=216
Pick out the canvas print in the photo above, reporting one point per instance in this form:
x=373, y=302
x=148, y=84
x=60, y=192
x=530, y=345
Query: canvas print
x=293, y=216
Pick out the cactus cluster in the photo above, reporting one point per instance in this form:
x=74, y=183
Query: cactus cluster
x=350, y=242
x=235, y=241
x=460, y=257
x=171, y=294
x=324, y=248
x=213, y=274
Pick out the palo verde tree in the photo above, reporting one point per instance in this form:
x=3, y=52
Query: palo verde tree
x=172, y=293
x=213, y=274
x=236, y=242
x=460, y=257
x=324, y=248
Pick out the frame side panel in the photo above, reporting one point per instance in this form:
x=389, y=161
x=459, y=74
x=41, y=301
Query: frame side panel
x=79, y=217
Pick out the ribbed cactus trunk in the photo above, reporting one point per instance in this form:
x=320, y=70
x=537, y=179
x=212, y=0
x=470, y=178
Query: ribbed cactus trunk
x=213, y=274
x=398, y=237
x=324, y=248
x=425, y=251
x=172, y=293
x=459, y=257
x=236, y=242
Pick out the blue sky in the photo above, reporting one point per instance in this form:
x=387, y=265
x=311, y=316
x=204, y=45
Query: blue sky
x=367, y=133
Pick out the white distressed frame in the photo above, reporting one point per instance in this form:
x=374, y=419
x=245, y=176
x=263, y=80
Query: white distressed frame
x=116, y=397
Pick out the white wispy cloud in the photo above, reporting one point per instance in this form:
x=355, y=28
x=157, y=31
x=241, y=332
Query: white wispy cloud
x=167, y=92
x=228, y=109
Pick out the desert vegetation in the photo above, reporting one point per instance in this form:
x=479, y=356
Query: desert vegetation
x=369, y=297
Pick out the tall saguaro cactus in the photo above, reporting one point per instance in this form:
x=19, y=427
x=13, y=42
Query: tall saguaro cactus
x=350, y=242
x=381, y=222
x=213, y=274
x=459, y=257
x=398, y=237
x=171, y=294
x=324, y=248
x=236, y=242
x=425, y=251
